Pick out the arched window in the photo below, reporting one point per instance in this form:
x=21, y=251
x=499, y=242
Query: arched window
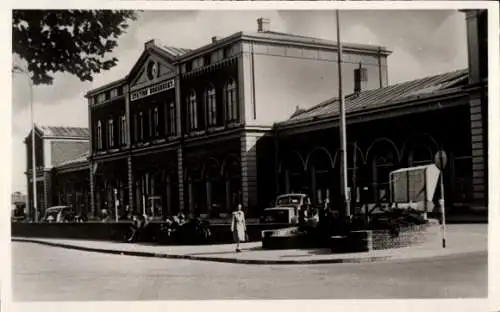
x=123, y=131
x=110, y=133
x=230, y=100
x=211, y=104
x=99, y=135
x=141, y=127
x=192, y=111
x=172, y=118
x=156, y=122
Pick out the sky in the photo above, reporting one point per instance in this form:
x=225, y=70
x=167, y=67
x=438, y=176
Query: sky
x=424, y=43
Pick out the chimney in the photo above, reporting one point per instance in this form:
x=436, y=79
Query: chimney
x=263, y=24
x=360, y=79
x=215, y=39
x=149, y=43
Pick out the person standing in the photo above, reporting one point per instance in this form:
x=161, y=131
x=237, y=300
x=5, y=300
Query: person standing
x=238, y=227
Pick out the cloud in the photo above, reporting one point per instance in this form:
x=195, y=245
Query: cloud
x=415, y=37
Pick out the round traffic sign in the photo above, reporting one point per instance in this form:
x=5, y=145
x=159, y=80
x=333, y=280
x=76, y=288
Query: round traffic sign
x=440, y=159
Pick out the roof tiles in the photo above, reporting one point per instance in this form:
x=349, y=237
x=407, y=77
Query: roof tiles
x=64, y=132
x=383, y=96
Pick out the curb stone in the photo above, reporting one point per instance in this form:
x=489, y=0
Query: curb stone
x=226, y=260
x=203, y=258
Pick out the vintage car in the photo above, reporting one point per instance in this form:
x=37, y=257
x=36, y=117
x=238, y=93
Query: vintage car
x=67, y=214
x=286, y=209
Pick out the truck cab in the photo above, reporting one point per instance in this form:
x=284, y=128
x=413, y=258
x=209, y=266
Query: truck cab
x=286, y=209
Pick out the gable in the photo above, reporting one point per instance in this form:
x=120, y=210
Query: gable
x=150, y=68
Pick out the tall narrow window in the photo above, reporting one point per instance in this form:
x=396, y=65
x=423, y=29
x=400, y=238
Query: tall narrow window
x=211, y=104
x=110, y=133
x=99, y=135
x=136, y=128
x=150, y=122
x=141, y=127
x=172, y=121
x=230, y=99
x=156, y=122
x=192, y=110
x=123, y=131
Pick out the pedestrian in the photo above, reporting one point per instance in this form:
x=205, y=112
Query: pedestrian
x=238, y=227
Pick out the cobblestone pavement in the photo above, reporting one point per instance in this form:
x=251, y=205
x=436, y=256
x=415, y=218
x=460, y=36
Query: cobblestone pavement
x=50, y=273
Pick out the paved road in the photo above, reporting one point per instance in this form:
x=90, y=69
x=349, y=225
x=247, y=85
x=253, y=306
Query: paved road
x=51, y=273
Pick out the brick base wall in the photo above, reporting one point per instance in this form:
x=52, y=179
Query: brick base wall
x=408, y=236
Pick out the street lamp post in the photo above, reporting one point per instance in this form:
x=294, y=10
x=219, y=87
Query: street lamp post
x=342, y=124
x=19, y=70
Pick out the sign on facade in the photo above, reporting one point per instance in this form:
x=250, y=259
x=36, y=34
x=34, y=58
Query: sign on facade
x=157, y=88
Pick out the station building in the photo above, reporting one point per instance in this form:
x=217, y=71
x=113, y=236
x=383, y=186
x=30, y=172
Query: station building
x=244, y=118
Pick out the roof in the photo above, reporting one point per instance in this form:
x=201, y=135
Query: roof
x=64, y=132
x=286, y=39
x=78, y=160
x=280, y=36
x=383, y=97
x=174, y=51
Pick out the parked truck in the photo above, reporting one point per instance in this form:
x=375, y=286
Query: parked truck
x=289, y=208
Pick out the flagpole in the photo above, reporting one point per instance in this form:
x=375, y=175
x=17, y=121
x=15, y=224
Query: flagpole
x=20, y=70
x=342, y=117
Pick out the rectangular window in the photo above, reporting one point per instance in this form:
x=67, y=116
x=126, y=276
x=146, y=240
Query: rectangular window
x=198, y=62
x=114, y=93
x=101, y=98
x=217, y=56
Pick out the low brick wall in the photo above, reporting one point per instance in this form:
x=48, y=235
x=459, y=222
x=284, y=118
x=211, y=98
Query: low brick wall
x=408, y=236
x=110, y=231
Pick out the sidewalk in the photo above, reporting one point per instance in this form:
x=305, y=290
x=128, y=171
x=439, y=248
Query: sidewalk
x=461, y=238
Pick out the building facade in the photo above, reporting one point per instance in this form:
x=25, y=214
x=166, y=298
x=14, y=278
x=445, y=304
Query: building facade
x=238, y=121
x=53, y=146
x=184, y=130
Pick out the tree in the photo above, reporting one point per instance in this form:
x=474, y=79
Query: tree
x=73, y=41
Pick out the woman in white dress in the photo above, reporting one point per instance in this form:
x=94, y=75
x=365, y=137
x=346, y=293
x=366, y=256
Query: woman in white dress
x=238, y=227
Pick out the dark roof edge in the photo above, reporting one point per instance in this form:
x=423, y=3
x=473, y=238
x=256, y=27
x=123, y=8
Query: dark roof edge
x=284, y=125
x=109, y=85
x=335, y=99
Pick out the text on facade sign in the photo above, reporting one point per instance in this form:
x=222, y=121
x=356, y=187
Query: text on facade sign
x=167, y=85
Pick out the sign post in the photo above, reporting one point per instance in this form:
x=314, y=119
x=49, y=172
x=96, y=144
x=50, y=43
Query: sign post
x=440, y=159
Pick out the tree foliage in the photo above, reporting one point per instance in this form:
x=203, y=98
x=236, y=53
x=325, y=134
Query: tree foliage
x=73, y=41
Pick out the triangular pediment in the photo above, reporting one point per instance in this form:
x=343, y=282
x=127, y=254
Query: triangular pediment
x=151, y=67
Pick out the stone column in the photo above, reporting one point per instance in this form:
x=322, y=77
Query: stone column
x=478, y=151
x=91, y=186
x=130, y=183
x=249, y=170
x=180, y=175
